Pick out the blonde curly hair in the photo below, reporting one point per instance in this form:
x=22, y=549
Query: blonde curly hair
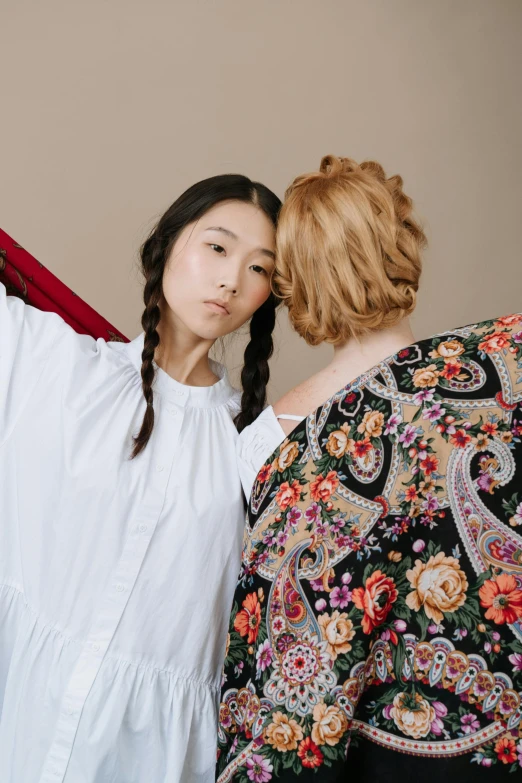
x=348, y=251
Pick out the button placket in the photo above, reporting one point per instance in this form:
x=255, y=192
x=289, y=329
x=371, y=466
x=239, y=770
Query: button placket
x=124, y=576
x=91, y=657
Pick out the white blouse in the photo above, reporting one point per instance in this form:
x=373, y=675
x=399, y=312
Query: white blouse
x=257, y=442
x=116, y=575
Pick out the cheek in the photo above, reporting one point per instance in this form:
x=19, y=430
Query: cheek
x=182, y=279
x=256, y=295
x=250, y=302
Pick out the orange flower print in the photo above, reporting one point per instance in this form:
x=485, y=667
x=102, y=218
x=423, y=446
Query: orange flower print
x=494, y=342
x=288, y=495
x=324, y=487
x=248, y=619
x=508, y=320
x=361, y=448
x=411, y=493
x=429, y=464
x=490, y=427
x=265, y=473
x=375, y=600
x=502, y=599
x=460, y=439
x=506, y=750
x=451, y=370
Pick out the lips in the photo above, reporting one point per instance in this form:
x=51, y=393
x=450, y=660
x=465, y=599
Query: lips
x=217, y=306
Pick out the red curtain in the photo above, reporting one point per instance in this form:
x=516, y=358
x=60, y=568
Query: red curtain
x=25, y=277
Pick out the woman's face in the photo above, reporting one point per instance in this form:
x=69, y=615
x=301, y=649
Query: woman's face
x=218, y=272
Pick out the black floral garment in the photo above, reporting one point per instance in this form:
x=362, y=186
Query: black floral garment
x=376, y=631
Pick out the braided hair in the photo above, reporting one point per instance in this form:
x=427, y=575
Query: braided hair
x=188, y=208
x=256, y=371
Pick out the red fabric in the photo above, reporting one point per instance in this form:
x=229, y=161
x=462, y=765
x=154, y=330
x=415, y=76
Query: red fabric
x=25, y=277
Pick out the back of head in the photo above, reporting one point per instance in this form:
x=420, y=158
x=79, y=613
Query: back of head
x=348, y=251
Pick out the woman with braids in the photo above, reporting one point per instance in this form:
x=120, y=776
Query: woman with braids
x=376, y=630
x=121, y=507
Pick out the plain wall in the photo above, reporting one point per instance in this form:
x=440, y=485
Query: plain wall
x=109, y=109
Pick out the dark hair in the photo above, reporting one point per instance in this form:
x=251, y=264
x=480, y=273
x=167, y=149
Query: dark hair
x=188, y=208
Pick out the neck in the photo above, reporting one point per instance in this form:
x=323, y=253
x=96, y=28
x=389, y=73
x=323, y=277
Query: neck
x=182, y=354
x=358, y=355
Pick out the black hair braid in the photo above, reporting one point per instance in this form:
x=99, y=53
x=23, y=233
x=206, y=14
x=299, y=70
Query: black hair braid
x=152, y=254
x=256, y=371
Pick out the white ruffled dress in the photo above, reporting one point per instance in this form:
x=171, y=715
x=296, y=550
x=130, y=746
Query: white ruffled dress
x=116, y=575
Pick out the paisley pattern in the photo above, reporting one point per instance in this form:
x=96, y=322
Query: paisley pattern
x=377, y=621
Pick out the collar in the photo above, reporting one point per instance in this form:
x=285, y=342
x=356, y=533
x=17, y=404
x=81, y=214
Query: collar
x=180, y=393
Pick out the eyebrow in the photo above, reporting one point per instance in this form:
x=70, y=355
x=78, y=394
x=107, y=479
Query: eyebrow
x=231, y=234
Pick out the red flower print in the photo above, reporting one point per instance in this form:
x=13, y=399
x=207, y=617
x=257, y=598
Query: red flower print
x=324, y=487
x=508, y=320
x=502, y=598
x=375, y=600
x=411, y=494
x=506, y=750
x=288, y=495
x=429, y=464
x=490, y=427
x=362, y=447
x=265, y=473
x=451, y=370
x=249, y=618
x=494, y=342
x=460, y=439
x=310, y=755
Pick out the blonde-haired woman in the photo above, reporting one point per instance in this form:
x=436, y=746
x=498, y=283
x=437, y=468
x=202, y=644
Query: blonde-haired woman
x=348, y=269
x=377, y=624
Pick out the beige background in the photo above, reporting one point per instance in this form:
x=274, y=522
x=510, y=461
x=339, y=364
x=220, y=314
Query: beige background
x=111, y=107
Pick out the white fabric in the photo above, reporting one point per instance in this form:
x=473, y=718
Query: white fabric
x=116, y=576
x=255, y=444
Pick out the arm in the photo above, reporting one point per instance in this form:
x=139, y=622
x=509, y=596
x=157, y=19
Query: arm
x=27, y=338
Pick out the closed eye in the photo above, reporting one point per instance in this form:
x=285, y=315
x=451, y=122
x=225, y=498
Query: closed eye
x=217, y=248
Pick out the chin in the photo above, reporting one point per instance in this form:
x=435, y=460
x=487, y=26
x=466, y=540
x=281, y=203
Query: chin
x=207, y=332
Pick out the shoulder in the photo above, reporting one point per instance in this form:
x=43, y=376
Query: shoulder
x=264, y=433
x=298, y=400
x=301, y=401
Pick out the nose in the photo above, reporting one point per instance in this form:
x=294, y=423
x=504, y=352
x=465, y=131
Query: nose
x=228, y=287
x=228, y=280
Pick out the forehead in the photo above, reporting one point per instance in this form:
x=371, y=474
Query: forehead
x=247, y=221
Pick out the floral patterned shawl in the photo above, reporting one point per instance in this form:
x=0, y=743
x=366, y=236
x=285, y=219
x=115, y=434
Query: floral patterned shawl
x=376, y=631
